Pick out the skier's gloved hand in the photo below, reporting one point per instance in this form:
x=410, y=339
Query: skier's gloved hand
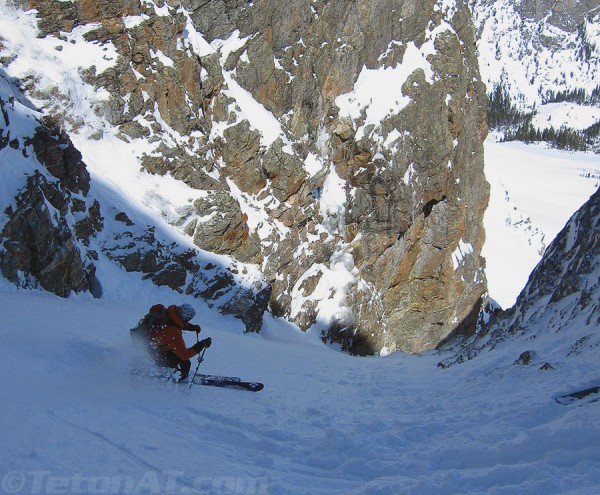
x=203, y=344
x=194, y=328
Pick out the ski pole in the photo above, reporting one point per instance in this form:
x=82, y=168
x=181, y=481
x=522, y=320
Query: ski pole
x=200, y=359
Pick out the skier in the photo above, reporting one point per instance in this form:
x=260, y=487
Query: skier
x=164, y=338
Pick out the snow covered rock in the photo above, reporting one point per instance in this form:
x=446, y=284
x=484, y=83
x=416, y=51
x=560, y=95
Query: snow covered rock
x=382, y=105
x=47, y=216
x=348, y=138
x=566, y=281
x=54, y=231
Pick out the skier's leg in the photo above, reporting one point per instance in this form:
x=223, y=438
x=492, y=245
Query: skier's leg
x=167, y=359
x=170, y=360
x=184, y=368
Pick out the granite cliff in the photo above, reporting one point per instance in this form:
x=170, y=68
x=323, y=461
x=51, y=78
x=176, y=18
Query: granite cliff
x=336, y=150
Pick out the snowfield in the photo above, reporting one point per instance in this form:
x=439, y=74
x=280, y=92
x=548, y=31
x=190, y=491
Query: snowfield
x=533, y=192
x=74, y=420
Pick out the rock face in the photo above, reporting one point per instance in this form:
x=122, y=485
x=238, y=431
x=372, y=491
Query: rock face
x=565, y=14
x=340, y=146
x=561, y=294
x=409, y=187
x=38, y=244
x=52, y=233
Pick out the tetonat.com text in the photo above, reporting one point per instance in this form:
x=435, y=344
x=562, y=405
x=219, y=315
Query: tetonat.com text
x=150, y=482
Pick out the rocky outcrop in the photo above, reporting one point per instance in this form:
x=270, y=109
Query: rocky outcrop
x=51, y=220
x=561, y=295
x=225, y=230
x=39, y=246
x=227, y=288
x=565, y=14
x=339, y=146
x=53, y=232
x=56, y=16
x=407, y=229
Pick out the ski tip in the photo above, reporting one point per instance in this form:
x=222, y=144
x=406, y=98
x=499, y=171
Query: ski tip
x=567, y=399
x=256, y=387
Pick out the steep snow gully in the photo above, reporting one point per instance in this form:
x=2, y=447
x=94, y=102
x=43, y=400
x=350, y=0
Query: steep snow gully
x=74, y=419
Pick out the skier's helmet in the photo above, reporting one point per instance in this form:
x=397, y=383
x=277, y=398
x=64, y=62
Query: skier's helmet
x=187, y=311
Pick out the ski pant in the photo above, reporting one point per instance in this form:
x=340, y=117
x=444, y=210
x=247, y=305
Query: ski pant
x=169, y=359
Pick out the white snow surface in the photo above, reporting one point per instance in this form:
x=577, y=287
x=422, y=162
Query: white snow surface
x=56, y=63
x=74, y=418
x=565, y=114
x=388, y=99
x=533, y=192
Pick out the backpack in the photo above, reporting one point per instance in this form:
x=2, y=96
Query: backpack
x=154, y=321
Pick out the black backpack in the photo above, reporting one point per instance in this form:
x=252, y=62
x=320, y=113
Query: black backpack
x=154, y=321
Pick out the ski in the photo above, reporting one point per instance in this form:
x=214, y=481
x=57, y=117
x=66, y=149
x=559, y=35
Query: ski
x=567, y=399
x=202, y=379
x=218, y=377
x=227, y=382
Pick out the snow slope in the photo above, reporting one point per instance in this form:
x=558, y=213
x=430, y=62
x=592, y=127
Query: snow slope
x=533, y=192
x=565, y=114
x=535, y=58
x=75, y=421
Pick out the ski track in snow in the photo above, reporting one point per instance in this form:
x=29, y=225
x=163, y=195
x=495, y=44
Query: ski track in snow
x=326, y=423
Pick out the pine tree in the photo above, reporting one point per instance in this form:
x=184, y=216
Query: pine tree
x=501, y=111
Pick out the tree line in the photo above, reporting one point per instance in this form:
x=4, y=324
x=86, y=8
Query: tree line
x=563, y=138
x=516, y=125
